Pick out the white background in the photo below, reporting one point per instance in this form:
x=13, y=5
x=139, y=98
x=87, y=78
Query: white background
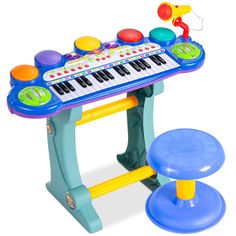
x=204, y=100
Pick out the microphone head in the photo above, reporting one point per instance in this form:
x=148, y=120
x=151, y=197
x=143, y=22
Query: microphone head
x=164, y=11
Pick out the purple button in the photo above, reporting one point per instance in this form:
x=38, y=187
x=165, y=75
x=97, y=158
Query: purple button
x=48, y=58
x=111, y=45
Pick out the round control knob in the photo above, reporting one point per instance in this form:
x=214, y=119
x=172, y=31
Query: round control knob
x=162, y=36
x=186, y=51
x=48, y=58
x=86, y=44
x=35, y=96
x=130, y=36
x=24, y=73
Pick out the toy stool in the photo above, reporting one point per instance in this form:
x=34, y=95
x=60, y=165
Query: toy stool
x=185, y=205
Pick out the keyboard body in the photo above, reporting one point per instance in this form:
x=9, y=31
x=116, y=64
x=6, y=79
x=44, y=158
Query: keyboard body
x=73, y=81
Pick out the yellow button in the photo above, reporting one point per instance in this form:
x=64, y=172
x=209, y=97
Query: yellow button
x=25, y=73
x=87, y=43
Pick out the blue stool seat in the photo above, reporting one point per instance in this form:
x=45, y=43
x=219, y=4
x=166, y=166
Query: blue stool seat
x=185, y=154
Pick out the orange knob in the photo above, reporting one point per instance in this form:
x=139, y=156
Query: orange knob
x=25, y=73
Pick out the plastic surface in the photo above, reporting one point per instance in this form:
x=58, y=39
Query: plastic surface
x=164, y=11
x=130, y=36
x=201, y=213
x=141, y=133
x=76, y=64
x=65, y=174
x=87, y=43
x=48, y=58
x=108, y=109
x=24, y=73
x=163, y=36
x=121, y=181
x=186, y=51
x=185, y=154
x=185, y=189
x=35, y=96
x=167, y=11
x=178, y=22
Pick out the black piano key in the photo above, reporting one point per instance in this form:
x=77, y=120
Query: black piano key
x=104, y=77
x=86, y=81
x=81, y=82
x=127, y=72
x=119, y=71
x=108, y=74
x=64, y=88
x=69, y=86
x=156, y=61
x=97, y=77
x=160, y=59
x=140, y=65
x=58, y=89
x=146, y=64
x=135, y=66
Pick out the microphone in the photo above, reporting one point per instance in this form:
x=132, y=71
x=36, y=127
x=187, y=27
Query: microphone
x=167, y=11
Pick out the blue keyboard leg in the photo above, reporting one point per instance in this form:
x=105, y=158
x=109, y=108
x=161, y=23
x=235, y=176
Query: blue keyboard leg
x=66, y=185
x=141, y=133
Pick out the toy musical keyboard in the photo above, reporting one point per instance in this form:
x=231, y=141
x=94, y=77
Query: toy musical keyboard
x=96, y=70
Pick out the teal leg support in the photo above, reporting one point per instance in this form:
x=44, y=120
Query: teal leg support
x=66, y=185
x=141, y=133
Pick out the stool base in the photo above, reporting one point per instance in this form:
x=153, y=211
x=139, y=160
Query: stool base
x=207, y=210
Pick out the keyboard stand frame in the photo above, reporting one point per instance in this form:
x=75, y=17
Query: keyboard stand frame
x=141, y=133
x=66, y=184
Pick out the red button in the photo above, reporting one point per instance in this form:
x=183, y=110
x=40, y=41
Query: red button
x=52, y=76
x=153, y=46
x=130, y=35
x=103, y=58
x=134, y=52
x=66, y=71
x=80, y=67
x=59, y=74
x=147, y=48
x=127, y=53
x=108, y=56
x=141, y=50
x=86, y=65
x=97, y=59
x=121, y=55
x=73, y=69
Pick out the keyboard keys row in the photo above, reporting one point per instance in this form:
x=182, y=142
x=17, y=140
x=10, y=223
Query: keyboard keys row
x=117, y=75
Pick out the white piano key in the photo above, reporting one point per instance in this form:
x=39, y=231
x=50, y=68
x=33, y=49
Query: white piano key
x=96, y=85
x=155, y=67
x=101, y=85
x=149, y=71
x=113, y=82
x=118, y=78
x=134, y=74
x=79, y=90
x=154, y=71
x=61, y=97
x=170, y=60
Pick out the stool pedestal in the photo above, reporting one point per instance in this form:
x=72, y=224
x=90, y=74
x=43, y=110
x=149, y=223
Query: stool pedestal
x=185, y=216
x=185, y=206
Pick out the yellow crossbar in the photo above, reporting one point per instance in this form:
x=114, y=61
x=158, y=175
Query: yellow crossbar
x=108, y=109
x=121, y=181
